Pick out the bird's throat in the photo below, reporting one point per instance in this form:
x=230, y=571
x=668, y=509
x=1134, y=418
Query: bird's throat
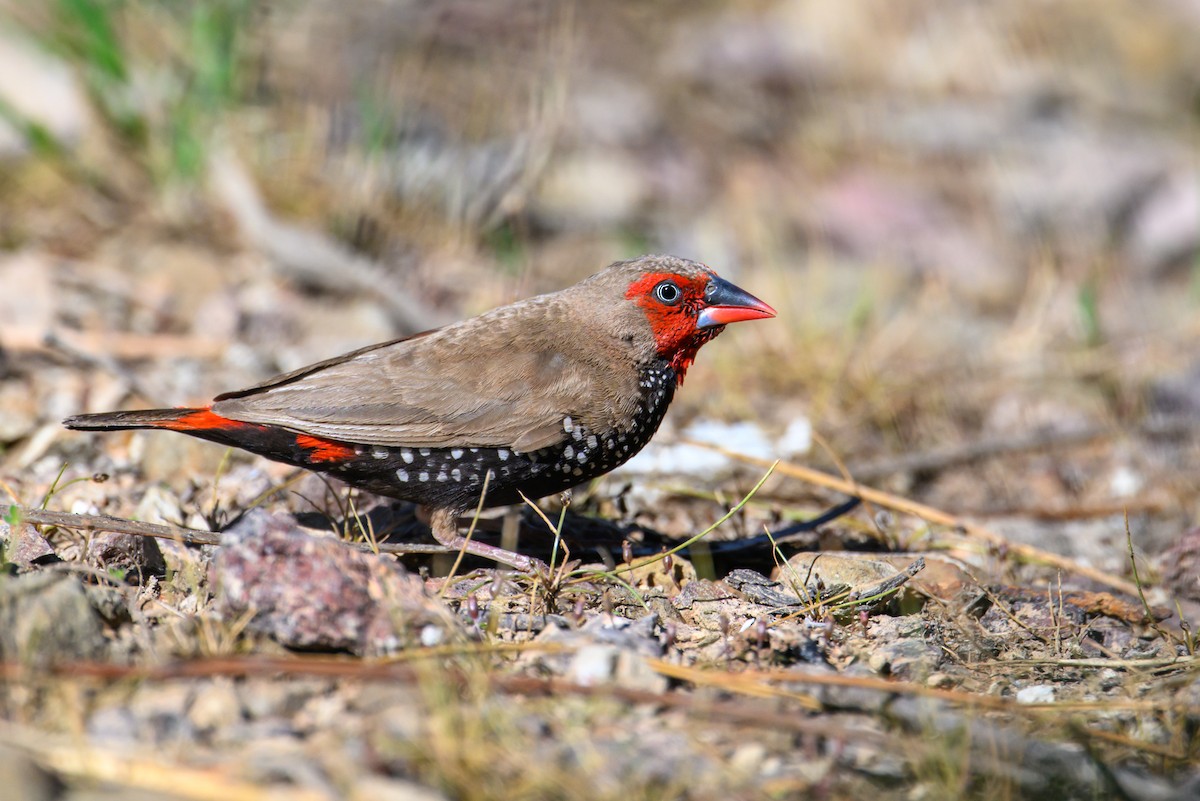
x=681, y=355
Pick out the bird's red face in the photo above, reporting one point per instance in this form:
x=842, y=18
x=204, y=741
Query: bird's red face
x=685, y=311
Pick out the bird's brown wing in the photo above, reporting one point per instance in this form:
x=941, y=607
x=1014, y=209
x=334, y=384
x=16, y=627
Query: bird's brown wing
x=464, y=386
x=295, y=375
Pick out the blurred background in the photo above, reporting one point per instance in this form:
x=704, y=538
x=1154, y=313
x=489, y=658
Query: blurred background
x=979, y=221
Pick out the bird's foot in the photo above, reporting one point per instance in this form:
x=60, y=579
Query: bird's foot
x=445, y=531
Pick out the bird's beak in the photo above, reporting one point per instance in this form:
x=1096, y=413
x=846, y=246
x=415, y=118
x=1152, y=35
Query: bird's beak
x=726, y=303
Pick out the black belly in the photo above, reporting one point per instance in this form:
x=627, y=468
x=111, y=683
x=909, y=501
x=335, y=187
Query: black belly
x=454, y=477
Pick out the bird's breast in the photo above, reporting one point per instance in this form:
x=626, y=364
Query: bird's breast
x=454, y=477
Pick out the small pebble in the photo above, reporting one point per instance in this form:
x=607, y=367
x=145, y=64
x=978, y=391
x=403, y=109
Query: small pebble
x=1036, y=694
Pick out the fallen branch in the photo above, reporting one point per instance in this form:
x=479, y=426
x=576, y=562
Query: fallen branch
x=910, y=707
x=190, y=536
x=941, y=458
x=735, y=710
x=935, y=516
x=1133, y=506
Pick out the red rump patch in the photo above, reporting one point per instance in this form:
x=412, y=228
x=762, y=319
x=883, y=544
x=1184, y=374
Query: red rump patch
x=203, y=420
x=325, y=450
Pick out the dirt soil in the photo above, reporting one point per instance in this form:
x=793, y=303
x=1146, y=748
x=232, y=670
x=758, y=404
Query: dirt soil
x=980, y=225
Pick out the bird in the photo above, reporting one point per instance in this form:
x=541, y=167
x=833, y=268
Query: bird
x=524, y=401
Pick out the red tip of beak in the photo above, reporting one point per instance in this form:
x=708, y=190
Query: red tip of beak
x=726, y=303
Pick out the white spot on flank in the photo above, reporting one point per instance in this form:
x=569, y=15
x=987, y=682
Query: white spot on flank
x=424, y=451
x=456, y=453
x=456, y=474
x=407, y=456
x=379, y=453
x=568, y=424
x=568, y=452
x=582, y=457
x=422, y=476
x=502, y=454
x=592, y=442
x=442, y=476
x=402, y=474
x=577, y=471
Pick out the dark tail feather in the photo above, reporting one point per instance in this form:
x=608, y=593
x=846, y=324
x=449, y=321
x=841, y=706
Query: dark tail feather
x=200, y=422
x=192, y=421
x=270, y=441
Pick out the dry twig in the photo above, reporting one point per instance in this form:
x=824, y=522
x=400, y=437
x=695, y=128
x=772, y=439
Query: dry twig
x=935, y=516
x=190, y=536
x=942, y=458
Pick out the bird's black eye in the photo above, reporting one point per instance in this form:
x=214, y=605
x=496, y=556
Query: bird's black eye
x=668, y=293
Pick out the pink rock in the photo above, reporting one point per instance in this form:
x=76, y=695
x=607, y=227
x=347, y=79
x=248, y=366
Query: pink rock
x=314, y=592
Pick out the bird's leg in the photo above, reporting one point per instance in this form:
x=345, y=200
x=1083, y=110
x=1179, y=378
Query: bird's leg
x=444, y=523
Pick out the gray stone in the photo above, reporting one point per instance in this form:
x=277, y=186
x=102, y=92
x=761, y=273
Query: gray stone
x=45, y=618
x=1165, y=232
x=1036, y=694
x=23, y=545
x=132, y=557
x=901, y=649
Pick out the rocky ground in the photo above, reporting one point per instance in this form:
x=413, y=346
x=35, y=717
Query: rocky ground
x=980, y=224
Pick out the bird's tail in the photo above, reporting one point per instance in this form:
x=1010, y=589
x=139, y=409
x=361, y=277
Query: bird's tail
x=188, y=420
x=274, y=442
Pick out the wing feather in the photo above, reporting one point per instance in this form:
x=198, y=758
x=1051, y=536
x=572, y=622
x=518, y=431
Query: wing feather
x=477, y=383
